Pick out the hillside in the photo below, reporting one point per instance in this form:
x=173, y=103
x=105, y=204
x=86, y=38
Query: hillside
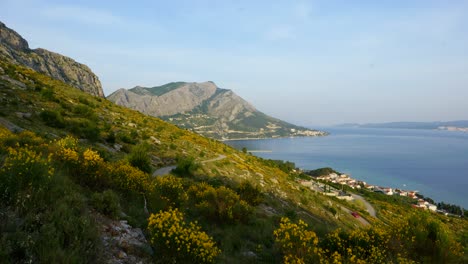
x=15, y=48
x=208, y=110
x=76, y=171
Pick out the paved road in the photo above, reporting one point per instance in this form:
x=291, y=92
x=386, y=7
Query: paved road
x=166, y=170
x=360, y=219
x=370, y=209
x=163, y=171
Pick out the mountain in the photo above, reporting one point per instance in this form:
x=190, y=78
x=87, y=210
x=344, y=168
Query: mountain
x=411, y=125
x=80, y=181
x=208, y=110
x=16, y=49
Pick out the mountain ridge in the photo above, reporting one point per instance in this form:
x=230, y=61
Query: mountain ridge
x=15, y=48
x=207, y=109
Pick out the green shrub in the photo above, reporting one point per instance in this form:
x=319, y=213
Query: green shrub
x=111, y=137
x=221, y=204
x=139, y=158
x=52, y=118
x=85, y=111
x=186, y=167
x=107, y=203
x=424, y=239
x=85, y=129
x=249, y=193
x=126, y=138
x=82, y=99
x=48, y=94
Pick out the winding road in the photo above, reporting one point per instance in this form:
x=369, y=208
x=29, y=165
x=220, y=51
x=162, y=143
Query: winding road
x=163, y=171
x=370, y=209
x=360, y=218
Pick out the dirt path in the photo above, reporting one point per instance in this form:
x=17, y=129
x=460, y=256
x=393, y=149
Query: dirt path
x=220, y=157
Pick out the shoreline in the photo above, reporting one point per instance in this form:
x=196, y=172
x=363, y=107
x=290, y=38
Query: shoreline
x=241, y=139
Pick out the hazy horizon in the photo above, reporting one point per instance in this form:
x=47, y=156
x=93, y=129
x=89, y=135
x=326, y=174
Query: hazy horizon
x=307, y=62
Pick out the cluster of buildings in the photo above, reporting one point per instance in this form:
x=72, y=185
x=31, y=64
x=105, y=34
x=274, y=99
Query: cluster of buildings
x=342, y=179
x=307, y=133
x=345, y=179
x=326, y=189
x=452, y=128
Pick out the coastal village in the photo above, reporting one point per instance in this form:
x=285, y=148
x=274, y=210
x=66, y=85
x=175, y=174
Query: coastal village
x=346, y=180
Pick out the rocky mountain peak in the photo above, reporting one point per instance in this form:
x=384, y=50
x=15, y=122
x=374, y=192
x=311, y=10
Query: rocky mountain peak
x=11, y=38
x=15, y=48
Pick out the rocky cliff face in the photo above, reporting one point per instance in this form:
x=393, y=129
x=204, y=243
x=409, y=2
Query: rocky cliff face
x=206, y=109
x=183, y=99
x=16, y=49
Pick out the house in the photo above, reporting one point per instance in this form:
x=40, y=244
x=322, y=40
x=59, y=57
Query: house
x=422, y=203
x=432, y=207
x=388, y=191
x=306, y=183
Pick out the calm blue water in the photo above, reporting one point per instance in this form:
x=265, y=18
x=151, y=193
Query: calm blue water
x=432, y=162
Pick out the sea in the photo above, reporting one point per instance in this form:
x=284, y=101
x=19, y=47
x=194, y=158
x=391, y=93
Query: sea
x=433, y=162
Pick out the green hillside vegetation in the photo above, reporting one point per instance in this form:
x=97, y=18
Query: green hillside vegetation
x=68, y=158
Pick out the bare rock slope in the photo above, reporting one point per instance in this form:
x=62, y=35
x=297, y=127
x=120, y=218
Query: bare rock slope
x=15, y=48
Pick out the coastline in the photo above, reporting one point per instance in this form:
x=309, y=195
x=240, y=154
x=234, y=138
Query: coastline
x=263, y=138
x=374, y=156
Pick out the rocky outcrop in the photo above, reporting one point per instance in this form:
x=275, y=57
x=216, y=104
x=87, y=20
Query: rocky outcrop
x=206, y=109
x=16, y=49
x=122, y=243
x=182, y=99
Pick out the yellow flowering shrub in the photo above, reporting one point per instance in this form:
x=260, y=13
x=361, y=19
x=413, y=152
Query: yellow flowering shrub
x=25, y=138
x=128, y=178
x=91, y=170
x=297, y=243
x=178, y=241
x=4, y=132
x=24, y=172
x=91, y=158
x=218, y=204
x=171, y=190
x=357, y=246
x=67, y=150
x=68, y=142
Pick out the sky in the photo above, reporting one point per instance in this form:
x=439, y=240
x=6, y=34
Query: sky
x=313, y=63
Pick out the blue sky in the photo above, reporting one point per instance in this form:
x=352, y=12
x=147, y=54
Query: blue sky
x=307, y=62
